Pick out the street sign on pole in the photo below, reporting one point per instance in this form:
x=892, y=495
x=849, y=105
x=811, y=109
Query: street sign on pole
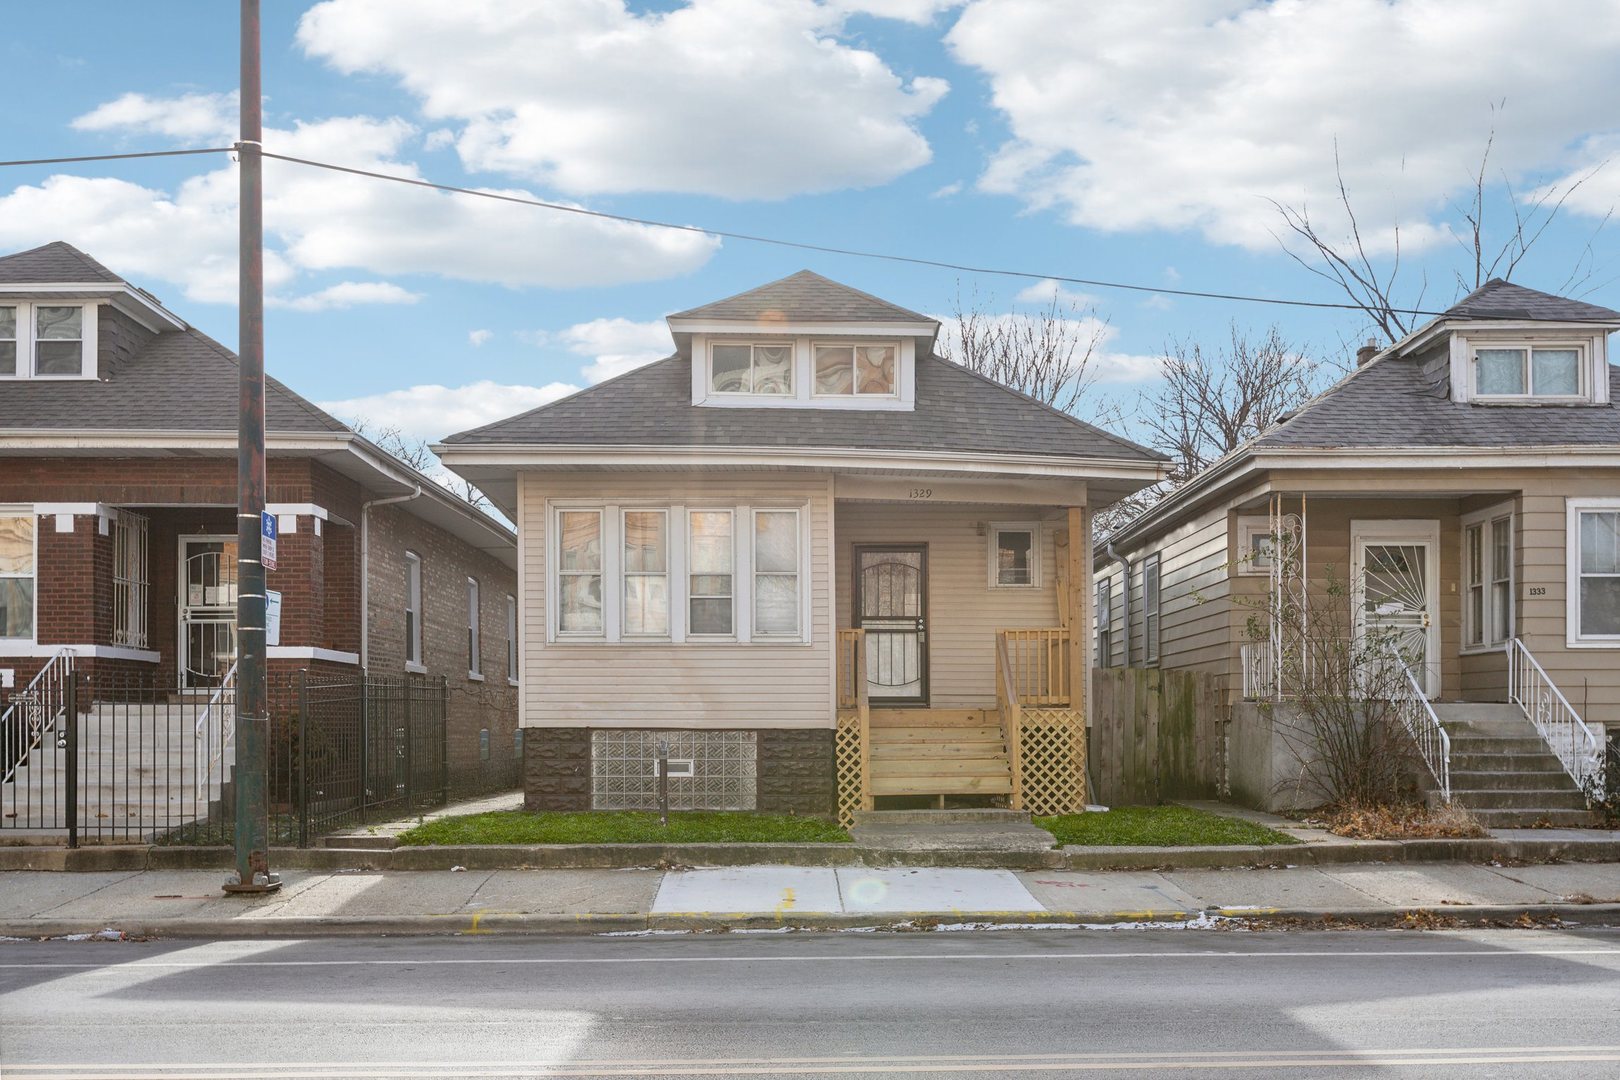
x=267, y=539
x=272, y=618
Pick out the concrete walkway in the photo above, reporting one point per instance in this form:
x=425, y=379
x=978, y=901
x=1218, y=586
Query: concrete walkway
x=382, y=833
x=189, y=903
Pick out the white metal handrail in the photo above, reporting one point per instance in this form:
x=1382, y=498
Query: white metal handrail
x=205, y=730
x=33, y=712
x=1577, y=746
x=1434, y=745
x=1259, y=671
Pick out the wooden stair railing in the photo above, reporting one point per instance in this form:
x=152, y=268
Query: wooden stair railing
x=1011, y=718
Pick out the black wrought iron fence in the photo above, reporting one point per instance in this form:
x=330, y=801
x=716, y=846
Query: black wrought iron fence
x=112, y=759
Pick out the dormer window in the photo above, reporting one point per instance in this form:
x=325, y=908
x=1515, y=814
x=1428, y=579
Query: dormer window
x=46, y=341
x=1529, y=372
x=856, y=369
x=752, y=368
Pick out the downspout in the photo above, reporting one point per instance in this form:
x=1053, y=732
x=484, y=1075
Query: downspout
x=1125, y=596
x=365, y=569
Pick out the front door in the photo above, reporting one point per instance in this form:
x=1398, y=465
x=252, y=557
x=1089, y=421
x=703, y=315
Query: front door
x=891, y=605
x=1397, y=592
x=207, y=610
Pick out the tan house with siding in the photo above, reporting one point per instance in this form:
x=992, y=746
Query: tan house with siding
x=1464, y=484
x=822, y=566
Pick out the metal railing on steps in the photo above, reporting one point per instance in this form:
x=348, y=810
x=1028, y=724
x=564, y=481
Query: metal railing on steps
x=1578, y=748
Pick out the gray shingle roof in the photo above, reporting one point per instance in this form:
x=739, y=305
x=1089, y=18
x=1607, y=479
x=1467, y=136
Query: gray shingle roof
x=1389, y=403
x=801, y=298
x=55, y=263
x=1498, y=299
x=956, y=410
x=181, y=381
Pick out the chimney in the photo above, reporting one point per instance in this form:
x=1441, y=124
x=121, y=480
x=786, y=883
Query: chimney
x=1366, y=352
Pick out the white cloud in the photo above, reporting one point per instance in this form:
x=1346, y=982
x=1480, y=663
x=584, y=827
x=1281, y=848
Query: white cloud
x=347, y=294
x=1189, y=115
x=319, y=220
x=615, y=345
x=477, y=338
x=921, y=12
x=735, y=98
x=1048, y=291
x=208, y=117
x=953, y=188
x=431, y=412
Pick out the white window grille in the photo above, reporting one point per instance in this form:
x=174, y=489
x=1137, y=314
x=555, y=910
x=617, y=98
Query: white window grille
x=131, y=583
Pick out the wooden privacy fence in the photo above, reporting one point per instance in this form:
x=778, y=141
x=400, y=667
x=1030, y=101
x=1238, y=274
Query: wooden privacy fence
x=1157, y=735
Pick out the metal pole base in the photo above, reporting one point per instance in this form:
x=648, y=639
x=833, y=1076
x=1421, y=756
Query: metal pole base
x=261, y=884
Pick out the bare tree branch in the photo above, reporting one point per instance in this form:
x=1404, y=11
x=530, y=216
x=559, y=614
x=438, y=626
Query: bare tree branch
x=1047, y=353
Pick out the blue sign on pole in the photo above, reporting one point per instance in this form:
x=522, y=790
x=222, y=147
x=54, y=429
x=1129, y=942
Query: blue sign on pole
x=267, y=539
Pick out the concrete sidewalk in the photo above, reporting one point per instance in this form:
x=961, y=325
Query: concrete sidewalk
x=188, y=903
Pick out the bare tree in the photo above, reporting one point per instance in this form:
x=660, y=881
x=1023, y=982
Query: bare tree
x=1047, y=353
x=414, y=452
x=1211, y=401
x=1372, y=282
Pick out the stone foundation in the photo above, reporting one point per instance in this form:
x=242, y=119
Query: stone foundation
x=797, y=771
x=557, y=769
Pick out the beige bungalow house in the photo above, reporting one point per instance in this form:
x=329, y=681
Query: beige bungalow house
x=1464, y=485
x=818, y=564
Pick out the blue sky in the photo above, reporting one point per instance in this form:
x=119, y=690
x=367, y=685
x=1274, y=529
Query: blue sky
x=1135, y=142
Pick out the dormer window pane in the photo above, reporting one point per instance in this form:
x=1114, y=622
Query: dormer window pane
x=874, y=369
x=8, y=341
x=751, y=369
x=59, y=342
x=1500, y=372
x=773, y=369
x=1555, y=372
x=732, y=369
x=835, y=369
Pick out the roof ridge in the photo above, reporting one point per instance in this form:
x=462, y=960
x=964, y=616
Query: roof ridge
x=801, y=275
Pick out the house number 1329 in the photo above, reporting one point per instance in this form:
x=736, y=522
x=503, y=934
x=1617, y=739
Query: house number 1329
x=922, y=493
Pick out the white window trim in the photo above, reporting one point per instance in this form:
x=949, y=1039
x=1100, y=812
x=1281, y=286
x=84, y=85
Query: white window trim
x=513, y=658
x=1034, y=530
x=1152, y=614
x=742, y=587
x=1248, y=527
x=800, y=576
x=623, y=573
x=1583, y=369
x=413, y=604
x=475, y=630
x=1572, y=559
x=755, y=343
x=853, y=394
x=1483, y=519
x=903, y=400
x=89, y=327
x=33, y=630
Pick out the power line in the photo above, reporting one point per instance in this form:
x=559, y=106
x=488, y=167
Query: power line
x=121, y=157
x=938, y=264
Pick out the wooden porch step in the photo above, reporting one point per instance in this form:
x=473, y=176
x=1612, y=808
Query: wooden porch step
x=933, y=718
x=974, y=766
x=912, y=751
x=899, y=736
x=941, y=785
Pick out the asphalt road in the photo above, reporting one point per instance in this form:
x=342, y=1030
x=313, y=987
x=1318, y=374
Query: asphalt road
x=1513, y=1004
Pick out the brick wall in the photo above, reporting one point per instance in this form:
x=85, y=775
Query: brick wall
x=447, y=563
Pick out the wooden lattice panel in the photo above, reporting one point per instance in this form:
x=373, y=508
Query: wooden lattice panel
x=1053, y=758
x=847, y=750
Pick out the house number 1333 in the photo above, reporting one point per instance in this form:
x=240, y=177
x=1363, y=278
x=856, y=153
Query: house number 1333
x=922, y=493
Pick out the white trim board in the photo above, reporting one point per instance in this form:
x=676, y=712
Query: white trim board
x=306, y=652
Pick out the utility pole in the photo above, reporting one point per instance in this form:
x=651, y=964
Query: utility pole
x=251, y=774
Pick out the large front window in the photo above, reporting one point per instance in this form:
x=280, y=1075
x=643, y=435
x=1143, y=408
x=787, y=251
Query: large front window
x=579, y=572
x=646, y=573
x=776, y=573
x=17, y=576
x=1595, y=572
x=752, y=368
x=709, y=582
x=1526, y=371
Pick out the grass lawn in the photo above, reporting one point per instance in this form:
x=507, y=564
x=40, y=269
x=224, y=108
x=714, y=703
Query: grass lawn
x=624, y=827
x=1158, y=826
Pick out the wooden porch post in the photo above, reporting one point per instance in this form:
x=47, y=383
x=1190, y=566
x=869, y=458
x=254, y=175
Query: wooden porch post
x=1079, y=605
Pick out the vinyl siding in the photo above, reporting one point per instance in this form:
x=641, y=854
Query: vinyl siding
x=687, y=685
x=964, y=612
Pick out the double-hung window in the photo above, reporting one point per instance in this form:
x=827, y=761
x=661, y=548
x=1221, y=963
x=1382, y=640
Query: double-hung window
x=1594, y=571
x=1105, y=623
x=751, y=368
x=579, y=573
x=646, y=573
x=475, y=669
x=860, y=370
x=1015, y=556
x=17, y=553
x=1150, y=609
x=1487, y=579
x=46, y=341
x=1525, y=371
x=710, y=580
x=413, y=609
x=776, y=573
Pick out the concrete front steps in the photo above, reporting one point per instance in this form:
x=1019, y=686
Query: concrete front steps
x=1503, y=772
x=939, y=752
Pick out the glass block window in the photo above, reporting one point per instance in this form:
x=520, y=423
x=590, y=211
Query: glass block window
x=725, y=769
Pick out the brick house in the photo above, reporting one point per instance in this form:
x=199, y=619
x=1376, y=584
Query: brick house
x=117, y=518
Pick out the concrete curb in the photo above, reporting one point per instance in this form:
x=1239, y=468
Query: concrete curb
x=521, y=924
x=623, y=856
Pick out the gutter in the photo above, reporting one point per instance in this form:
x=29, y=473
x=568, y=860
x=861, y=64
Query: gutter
x=1126, y=593
x=365, y=568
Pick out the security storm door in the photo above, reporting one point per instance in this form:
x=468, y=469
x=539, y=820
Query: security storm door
x=1396, y=592
x=891, y=605
x=207, y=610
